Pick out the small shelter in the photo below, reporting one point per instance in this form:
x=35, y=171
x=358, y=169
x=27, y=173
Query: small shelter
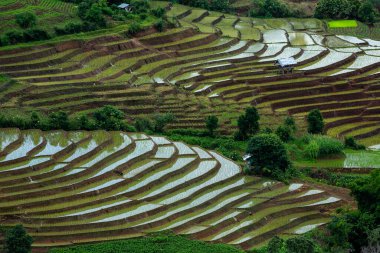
x=286, y=65
x=125, y=6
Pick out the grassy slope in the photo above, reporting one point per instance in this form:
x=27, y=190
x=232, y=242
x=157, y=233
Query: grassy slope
x=153, y=244
x=49, y=13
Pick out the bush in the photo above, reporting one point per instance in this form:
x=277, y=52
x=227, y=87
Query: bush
x=315, y=122
x=160, y=25
x=212, y=124
x=69, y=28
x=159, y=12
x=276, y=245
x=268, y=154
x=350, y=142
x=26, y=19
x=143, y=124
x=300, y=244
x=161, y=120
x=134, y=28
x=110, y=118
x=14, y=36
x=270, y=9
x=284, y=133
x=35, y=35
x=248, y=124
x=366, y=12
x=17, y=240
x=59, y=120
x=312, y=150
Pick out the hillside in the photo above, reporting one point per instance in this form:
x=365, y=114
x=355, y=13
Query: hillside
x=226, y=66
x=97, y=186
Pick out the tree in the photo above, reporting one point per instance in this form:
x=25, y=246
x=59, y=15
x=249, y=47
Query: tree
x=212, y=124
x=26, y=19
x=35, y=120
x=284, y=133
x=367, y=193
x=161, y=120
x=300, y=244
x=143, y=124
x=252, y=117
x=220, y=5
x=109, y=118
x=268, y=154
x=366, y=12
x=315, y=122
x=59, y=120
x=276, y=245
x=18, y=241
x=248, y=124
x=291, y=123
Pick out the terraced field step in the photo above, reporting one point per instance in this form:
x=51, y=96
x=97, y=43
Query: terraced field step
x=75, y=187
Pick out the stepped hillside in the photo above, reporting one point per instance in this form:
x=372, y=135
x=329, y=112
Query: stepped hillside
x=213, y=63
x=75, y=187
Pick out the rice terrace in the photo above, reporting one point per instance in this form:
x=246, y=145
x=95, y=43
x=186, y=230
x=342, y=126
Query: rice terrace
x=189, y=126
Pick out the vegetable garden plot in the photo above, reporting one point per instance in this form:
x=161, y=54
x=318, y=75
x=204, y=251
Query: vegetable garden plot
x=171, y=186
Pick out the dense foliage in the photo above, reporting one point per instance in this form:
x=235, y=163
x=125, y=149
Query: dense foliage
x=267, y=155
x=17, y=240
x=315, y=123
x=346, y=9
x=317, y=146
x=350, y=142
x=212, y=124
x=270, y=9
x=213, y=5
x=26, y=19
x=107, y=118
x=159, y=243
x=248, y=124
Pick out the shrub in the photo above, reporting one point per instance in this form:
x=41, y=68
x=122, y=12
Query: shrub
x=248, y=124
x=14, y=36
x=270, y=9
x=34, y=34
x=350, y=142
x=315, y=122
x=110, y=118
x=159, y=12
x=143, y=124
x=161, y=120
x=268, y=154
x=290, y=122
x=18, y=241
x=276, y=245
x=160, y=25
x=366, y=12
x=212, y=124
x=59, y=120
x=134, y=28
x=300, y=244
x=69, y=28
x=284, y=133
x=312, y=150
x=26, y=19
x=328, y=145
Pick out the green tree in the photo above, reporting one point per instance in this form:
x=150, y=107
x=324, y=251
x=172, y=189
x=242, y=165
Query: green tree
x=366, y=12
x=220, y=5
x=59, y=120
x=248, y=124
x=143, y=124
x=300, y=244
x=284, y=133
x=35, y=120
x=276, y=245
x=26, y=19
x=315, y=123
x=212, y=123
x=161, y=120
x=367, y=193
x=291, y=123
x=17, y=240
x=110, y=118
x=268, y=154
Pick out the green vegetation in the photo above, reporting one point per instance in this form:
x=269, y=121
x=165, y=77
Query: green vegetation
x=155, y=243
x=342, y=23
x=248, y=124
x=268, y=156
x=17, y=240
x=212, y=124
x=315, y=123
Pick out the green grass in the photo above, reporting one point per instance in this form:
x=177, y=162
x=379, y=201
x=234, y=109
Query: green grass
x=342, y=23
x=165, y=243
